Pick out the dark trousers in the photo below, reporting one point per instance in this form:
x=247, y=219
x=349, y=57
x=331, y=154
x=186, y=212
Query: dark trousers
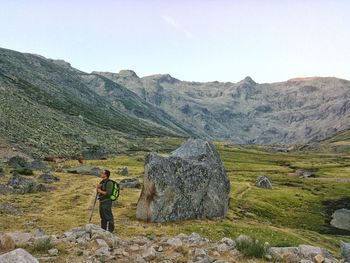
x=107, y=220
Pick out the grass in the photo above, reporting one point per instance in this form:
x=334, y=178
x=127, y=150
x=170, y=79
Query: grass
x=291, y=213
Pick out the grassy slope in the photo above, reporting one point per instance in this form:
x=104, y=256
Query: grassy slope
x=339, y=143
x=285, y=215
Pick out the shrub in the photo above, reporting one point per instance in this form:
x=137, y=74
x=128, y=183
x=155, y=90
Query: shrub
x=43, y=245
x=24, y=171
x=252, y=248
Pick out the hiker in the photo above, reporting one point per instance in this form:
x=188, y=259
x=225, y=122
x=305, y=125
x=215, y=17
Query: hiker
x=104, y=190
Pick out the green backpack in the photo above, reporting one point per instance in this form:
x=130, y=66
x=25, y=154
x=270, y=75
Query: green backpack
x=116, y=190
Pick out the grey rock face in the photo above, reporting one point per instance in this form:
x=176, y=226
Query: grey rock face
x=297, y=110
x=18, y=255
x=263, y=182
x=341, y=219
x=190, y=183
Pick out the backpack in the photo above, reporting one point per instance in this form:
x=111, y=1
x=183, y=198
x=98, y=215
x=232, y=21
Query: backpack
x=116, y=190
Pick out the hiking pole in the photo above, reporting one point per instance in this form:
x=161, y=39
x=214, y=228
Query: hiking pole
x=93, y=207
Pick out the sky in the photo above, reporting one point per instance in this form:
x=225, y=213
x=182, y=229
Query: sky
x=206, y=40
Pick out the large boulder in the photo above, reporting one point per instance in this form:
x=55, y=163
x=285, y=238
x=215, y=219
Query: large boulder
x=189, y=184
x=18, y=255
x=341, y=219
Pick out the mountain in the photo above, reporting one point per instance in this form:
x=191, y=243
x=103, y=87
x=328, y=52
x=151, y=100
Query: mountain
x=49, y=108
x=295, y=111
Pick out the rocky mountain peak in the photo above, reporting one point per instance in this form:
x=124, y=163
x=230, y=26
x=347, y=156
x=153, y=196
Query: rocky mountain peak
x=247, y=80
x=163, y=78
x=128, y=73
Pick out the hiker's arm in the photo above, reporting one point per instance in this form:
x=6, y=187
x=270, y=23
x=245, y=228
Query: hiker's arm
x=99, y=190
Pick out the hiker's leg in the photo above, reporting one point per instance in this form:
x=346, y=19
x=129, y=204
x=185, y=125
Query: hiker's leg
x=103, y=217
x=109, y=216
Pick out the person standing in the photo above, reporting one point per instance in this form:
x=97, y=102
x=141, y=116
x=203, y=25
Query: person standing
x=104, y=190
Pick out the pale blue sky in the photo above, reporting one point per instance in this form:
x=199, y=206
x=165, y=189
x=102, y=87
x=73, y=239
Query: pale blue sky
x=191, y=40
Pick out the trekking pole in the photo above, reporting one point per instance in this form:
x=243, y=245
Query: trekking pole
x=93, y=207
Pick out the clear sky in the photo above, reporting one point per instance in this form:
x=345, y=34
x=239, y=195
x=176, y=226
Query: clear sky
x=191, y=40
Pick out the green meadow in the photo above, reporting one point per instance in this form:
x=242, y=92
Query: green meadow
x=295, y=211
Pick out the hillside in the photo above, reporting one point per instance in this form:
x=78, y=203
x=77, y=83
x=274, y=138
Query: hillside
x=295, y=111
x=49, y=108
x=338, y=144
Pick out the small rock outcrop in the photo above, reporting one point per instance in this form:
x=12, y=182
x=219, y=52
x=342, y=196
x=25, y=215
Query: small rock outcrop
x=263, y=182
x=341, y=219
x=48, y=178
x=23, y=185
x=130, y=183
x=123, y=171
x=189, y=184
x=18, y=255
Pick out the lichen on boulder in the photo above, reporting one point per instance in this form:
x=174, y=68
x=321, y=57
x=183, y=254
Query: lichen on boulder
x=189, y=184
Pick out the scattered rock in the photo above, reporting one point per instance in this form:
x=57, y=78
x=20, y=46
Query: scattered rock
x=200, y=253
x=102, y=252
x=124, y=171
x=20, y=239
x=222, y=248
x=174, y=242
x=85, y=169
x=101, y=243
x=18, y=255
x=149, y=254
x=304, y=173
x=48, y=178
x=263, y=182
x=24, y=185
x=341, y=219
x=190, y=183
x=228, y=241
x=285, y=253
x=53, y=252
x=318, y=259
x=130, y=183
x=309, y=252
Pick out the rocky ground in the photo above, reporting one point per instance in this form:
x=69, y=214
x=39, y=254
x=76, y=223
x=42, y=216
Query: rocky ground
x=91, y=244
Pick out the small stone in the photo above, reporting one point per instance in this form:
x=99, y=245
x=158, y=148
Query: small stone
x=160, y=249
x=222, y=248
x=134, y=247
x=228, y=241
x=174, y=242
x=149, y=254
x=216, y=254
x=200, y=253
x=101, y=243
x=53, y=252
x=103, y=252
x=318, y=259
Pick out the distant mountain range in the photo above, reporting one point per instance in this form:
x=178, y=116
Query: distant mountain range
x=295, y=111
x=48, y=107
